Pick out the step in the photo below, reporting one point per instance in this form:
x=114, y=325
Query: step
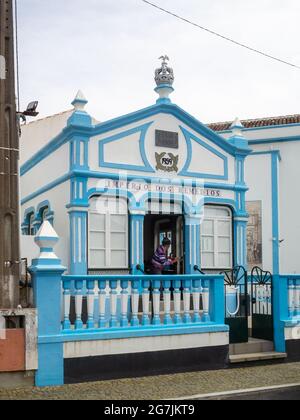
x=257, y=357
x=253, y=346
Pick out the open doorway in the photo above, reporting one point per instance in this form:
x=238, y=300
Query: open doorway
x=156, y=228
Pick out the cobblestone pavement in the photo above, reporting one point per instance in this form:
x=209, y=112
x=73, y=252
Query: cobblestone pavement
x=165, y=387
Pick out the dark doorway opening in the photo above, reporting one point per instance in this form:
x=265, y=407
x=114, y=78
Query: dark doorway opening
x=157, y=227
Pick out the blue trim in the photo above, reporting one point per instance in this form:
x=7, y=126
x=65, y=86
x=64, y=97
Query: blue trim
x=143, y=331
x=280, y=309
x=275, y=140
x=78, y=192
x=171, y=109
x=78, y=242
x=111, y=192
x=79, y=146
x=185, y=171
x=178, y=113
x=173, y=181
x=46, y=188
x=143, y=130
x=137, y=242
x=267, y=152
x=275, y=214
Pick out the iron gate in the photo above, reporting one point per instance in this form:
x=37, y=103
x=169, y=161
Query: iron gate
x=236, y=304
x=262, y=304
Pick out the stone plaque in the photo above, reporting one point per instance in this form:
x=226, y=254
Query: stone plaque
x=166, y=139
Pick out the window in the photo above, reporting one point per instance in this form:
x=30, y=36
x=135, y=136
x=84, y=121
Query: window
x=31, y=220
x=216, y=238
x=108, y=233
x=44, y=214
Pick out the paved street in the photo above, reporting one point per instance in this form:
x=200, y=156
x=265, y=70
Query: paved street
x=166, y=387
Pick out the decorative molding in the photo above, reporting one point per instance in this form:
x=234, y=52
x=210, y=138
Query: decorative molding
x=143, y=130
x=189, y=137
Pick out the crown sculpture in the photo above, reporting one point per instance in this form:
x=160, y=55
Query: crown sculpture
x=165, y=74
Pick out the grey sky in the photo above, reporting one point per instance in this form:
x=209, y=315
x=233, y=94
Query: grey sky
x=109, y=49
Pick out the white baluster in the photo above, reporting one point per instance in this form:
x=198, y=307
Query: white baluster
x=102, y=304
x=78, y=304
x=91, y=306
x=196, y=300
x=146, y=303
x=124, y=304
x=205, y=297
x=167, y=303
x=156, y=302
x=113, y=304
x=177, y=302
x=67, y=305
x=135, y=304
x=187, y=301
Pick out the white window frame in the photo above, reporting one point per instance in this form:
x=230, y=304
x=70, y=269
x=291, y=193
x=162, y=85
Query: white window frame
x=216, y=237
x=108, y=234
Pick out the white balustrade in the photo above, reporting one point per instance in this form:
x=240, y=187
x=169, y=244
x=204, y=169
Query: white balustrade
x=119, y=301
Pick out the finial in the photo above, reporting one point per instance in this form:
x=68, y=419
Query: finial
x=164, y=78
x=165, y=74
x=237, y=128
x=46, y=239
x=80, y=101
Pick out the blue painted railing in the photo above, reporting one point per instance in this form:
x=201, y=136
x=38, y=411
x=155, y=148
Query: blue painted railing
x=294, y=297
x=130, y=302
x=286, y=300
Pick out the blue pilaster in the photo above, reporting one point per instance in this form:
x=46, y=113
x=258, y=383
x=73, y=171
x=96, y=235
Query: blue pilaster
x=192, y=242
x=240, y=241
x=137, y=241
x=46, y=272
x=275, y=212
x=280, y=311
x=78, y=241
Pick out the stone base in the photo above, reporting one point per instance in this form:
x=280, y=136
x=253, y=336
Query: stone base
x=293, y=350
x=16, y=380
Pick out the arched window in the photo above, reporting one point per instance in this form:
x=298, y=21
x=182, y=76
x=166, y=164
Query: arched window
x=31, y=220
x=108, y=233
x=217, y=238
x=44, y=214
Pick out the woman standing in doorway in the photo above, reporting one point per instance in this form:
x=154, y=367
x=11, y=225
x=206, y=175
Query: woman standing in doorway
x=160, y=260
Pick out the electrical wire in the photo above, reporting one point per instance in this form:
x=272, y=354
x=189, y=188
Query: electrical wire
x=220, y=35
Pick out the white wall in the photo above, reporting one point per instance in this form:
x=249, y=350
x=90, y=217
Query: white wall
x=48, y=170
x=289, y=201
x=37, y=134
x=258, y=173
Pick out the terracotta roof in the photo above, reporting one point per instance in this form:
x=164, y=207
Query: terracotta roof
x=261, y=122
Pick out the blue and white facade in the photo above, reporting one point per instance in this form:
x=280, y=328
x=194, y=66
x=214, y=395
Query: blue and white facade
x=111, y=190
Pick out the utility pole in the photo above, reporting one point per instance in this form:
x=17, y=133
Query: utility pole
x=9, y=172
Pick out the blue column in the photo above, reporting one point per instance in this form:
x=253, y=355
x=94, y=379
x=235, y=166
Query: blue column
x=46, y=272
x=136, y=241
x=192, y=242
x=275, y=212
x=280, y=311
x=240, y=241
x=78, y=241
